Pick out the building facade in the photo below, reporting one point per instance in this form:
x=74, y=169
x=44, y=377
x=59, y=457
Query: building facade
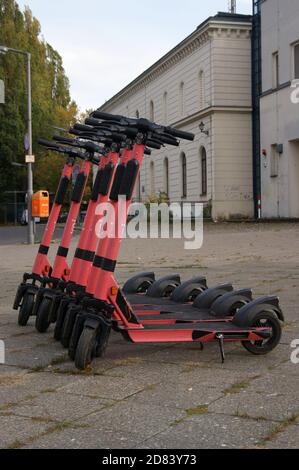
x=279, y=108
x=206, y=79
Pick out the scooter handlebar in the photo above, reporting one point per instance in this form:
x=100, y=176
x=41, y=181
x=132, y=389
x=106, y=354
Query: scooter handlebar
x=179, y=134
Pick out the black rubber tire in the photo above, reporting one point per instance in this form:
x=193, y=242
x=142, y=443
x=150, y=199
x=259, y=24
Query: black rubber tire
x=60, y=320
x=67, y=328
x=86, y=348
x=26, y=309
x=264, y=319
x=42, y=322
x=102, y=339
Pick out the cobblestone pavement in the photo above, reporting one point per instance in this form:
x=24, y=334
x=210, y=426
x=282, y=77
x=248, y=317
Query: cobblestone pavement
x=159, y=396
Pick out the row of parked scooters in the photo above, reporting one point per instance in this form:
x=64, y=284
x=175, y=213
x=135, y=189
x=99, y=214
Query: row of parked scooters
x=84, y=299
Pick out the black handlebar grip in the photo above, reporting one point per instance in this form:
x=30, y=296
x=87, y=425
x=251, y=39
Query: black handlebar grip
x=47, y=143
x=106, y=116
x=168, y=140
x=147, y=151
x=153, y=145
x=179, y=134
x=65, y=140
x=83, y=127
x=92, y=122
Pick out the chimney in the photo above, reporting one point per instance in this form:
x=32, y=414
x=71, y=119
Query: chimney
x=232, y=7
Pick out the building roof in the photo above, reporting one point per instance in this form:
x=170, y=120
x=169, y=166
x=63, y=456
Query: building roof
x=219, y=17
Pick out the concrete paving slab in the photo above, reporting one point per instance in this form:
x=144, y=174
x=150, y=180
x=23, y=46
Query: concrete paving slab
x=271, y=406
x=15, y=430
x=210, y=431
x=142, y=420
x=82, y=438
x=54, y=406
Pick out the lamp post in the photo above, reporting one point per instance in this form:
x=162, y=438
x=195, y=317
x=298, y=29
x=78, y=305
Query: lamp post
x=27, y=55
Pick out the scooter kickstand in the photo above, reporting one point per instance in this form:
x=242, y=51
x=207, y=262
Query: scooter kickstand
x=220, y=339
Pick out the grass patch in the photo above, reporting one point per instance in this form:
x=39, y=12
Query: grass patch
x=59, y=360
x=237, y=388
x=199, y=410
x=279, y=429
x=15, y=445
x=191, y=366
x=41, y=419
x=128, y=362
x=37, y=368
x=7, y=381
x=177, y=422
x=6, y=413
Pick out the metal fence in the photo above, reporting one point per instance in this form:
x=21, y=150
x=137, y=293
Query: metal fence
x=12, y=213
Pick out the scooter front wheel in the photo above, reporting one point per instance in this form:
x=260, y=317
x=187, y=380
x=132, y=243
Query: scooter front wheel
x=42, y=322
x=26, y=309
x=86, y=348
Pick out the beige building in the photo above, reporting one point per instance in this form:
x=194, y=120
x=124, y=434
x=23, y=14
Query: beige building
x=204, y=79
x=279, y=108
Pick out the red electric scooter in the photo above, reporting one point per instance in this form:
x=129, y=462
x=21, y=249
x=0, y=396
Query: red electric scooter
x=25, y=296
x=256, y=324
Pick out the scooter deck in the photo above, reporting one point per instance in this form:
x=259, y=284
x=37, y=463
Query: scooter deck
x=166, y=310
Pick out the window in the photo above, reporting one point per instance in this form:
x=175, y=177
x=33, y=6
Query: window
x=184, y=175
x=204, y=172
x=296, y=61
x=274, y=161
x=182, y=99
x=165, y=107
x=152, y=111
x=201, y=90
x=137, y=114
x=152, y=175
x=275, y=58
x=166, y=176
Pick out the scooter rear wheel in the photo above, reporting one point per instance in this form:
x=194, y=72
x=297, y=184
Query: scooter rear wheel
x=265, y=320
x=26, y=309
x=86, y=348
x=42, y=322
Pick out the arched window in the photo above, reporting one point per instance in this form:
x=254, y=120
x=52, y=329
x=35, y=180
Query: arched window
x=165, y=107
x=204, y=172
x=182, y=99
x=152, y=176
x=166, y=176
x=137, y=114
x=152, y=111
x=201, y=89
x=184, y=174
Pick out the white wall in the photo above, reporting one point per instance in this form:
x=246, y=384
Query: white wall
x=279, y=116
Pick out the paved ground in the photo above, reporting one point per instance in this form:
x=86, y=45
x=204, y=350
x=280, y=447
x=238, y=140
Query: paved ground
x=169, y=396
x=12, y=235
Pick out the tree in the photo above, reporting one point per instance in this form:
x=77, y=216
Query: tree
x=51, y=101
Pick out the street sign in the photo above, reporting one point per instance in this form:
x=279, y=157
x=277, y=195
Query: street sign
x=30, y=159
x=2, y=92
x=26, y=142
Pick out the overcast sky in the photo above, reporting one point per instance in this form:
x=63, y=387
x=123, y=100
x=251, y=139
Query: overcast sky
x=106, y=44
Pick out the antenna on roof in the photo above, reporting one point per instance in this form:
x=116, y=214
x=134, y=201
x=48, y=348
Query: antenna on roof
x=232, y=6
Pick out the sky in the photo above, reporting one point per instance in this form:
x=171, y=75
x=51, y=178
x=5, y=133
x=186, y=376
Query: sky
x=106, y=44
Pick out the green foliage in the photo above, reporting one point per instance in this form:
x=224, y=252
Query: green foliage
x=51, y=101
